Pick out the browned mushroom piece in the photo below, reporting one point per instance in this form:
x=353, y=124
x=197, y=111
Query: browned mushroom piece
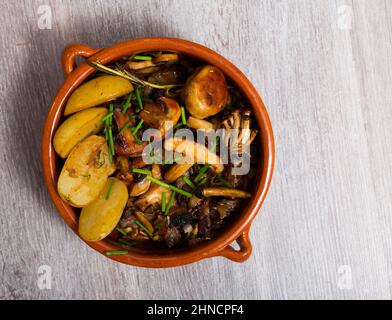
x=126, y=145
x=166, y=57
x=137, y=65
x=206, y=92
x=225, y=207
x=176, y=171
x=193, y=152
x=140, y=187
x=172, y=74
x=163, y=110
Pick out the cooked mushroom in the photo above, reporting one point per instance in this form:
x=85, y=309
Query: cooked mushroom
x=176, y=171
x=172, y=74
x=194, y=152
x=137, y=65
x=166, y=57
x=206, y=92
x=225, y=192
x=140, y=187
x=126, y=145
x=199, y=124
x=164, y=110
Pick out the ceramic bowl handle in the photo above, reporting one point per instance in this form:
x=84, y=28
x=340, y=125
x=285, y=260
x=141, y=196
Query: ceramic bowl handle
x=243, y=253
x=72, y=51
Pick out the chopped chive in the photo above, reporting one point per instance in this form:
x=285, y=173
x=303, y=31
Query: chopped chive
x=225, y=182
x=110, y=114
x=139, y=98
x=115, y=252
x=133, y=116
x=128, y=243
x=126, y=104
x=141, y=225
x=122, y=231
x=183, y=117
x=109, y=190
x=171, y=199
x=111, y=142
x=142, y=171
x=189, y=182
x=111, y=109
x=169, y=186
x=142, y=58
x=125, y=127
x=201, y=172
x=178, y=125
x=137, y=128
x=203, y=181
x=163, y=201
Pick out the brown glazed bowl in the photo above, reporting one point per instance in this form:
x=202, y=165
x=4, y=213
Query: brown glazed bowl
x=237, y=229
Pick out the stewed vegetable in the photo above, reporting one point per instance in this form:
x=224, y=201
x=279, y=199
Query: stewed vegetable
x=157, y=150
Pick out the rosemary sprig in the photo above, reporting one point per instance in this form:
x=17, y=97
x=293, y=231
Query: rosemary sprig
x=126, y=75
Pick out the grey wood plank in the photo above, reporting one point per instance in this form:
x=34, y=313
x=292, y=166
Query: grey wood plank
x=328, y=92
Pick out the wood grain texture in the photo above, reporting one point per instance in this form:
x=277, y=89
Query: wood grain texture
x=328, y=92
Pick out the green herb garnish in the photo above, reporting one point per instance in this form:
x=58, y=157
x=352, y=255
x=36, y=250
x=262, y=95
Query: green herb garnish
x=189, y=182
x=142, y=58
x=122, y=231
x=202, y=171
x=115, y=252
x=111, y=142
x=110, y=114
x=126, y=104
x=142, y=226
x=109, y=189
x=137, y=128
x=171, y=199
x=224, y=182
x=180, y=124
x=139, y=98
x=169, y=186
x=128, y=243
x=163, y=201
x=203, y=181
x=183, y=116
x=141, y=171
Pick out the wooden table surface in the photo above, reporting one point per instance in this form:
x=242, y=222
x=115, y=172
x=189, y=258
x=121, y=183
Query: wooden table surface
x=324, y=70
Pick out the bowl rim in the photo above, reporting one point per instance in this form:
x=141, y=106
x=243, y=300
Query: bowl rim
x=241, y=225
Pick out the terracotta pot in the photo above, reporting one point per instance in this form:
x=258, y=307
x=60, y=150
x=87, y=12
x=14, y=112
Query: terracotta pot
x=238, y=228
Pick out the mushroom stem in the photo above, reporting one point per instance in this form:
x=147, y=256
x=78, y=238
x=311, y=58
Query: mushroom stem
x=200, y=124
x=225, y=192
x=144, y=220
x=176, y=171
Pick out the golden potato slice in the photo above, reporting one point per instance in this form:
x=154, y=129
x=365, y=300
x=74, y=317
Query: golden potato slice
x=101, y=216
x=85, y=172
x=97, y=91
x=206, y=92
x=76, y=128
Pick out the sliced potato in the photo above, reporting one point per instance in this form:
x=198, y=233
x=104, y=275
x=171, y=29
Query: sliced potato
x=96, y=92
x=85, y=172
x=76, y=128
x=101, y=216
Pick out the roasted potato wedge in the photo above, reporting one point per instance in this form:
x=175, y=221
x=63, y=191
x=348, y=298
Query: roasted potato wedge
x=97, y=91
x=206, y=92
x=85, y=172
x=101, y=216
x=76, y=128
